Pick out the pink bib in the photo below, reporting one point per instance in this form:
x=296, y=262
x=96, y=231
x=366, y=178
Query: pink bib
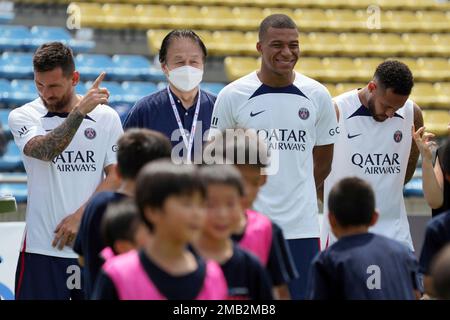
x=132, y=282
x=257, y=235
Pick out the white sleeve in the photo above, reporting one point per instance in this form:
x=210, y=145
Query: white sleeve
x=24, y=127
x=222, y=117
x=115, y=132
x=326, y=123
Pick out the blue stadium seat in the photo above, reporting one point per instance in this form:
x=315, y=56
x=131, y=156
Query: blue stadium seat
x=5, y=88
x=42, y=34
x=212, y=87
x=16, y=65
x=81, y=88
x=11, y=160
x=4, y=119
x=131, y=67
x=136, y=90
x=22, y=91
x=18, y=190
x=91, y=65
x=116, y=92
x=123, y=110
x=413, y=188
x=14, y=37
x=6, y=11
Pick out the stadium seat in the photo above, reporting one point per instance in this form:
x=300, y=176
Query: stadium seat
x=365, y=68
x=116, y=92
x=443, y=89
x=413, y=188
x=338, y=69
x=11, y=160
x=443, y=41
x=212, y=87
x=387, y=44
x=6, y=11
x=324, y=44
x=233, y=42
x=249, y=17
x=4, y=113
x=343, y=20
x=136, y=90
x=312, y=67
x=398, y=21
x=14, y=37
x=130, y=67
x=186, y=17
x=119, y=16
x=5, y=89
x=90, y=14
x=22, y=91
x=18, y=190
x=420, y=44
x=16, y=65
x=42, y=34
x=217, y=18
x=434, y=21
x=436, y=121
x=433, y=69
x=151, y=17
x=357, y=43
x=81, y=88
x=238, y=66
x=345, y=87
x=311, y=19
x=91, y=65
x=426, y=95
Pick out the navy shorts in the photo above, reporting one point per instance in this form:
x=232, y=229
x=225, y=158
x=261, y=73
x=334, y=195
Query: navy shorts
x=41, y=277
x=303, y=252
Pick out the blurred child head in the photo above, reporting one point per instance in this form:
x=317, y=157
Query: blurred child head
x=170, y=200
x=137, y=147
x=121, y=227
x=440, y=273
x=351, y=204
x=223, y=201
x=245, y=149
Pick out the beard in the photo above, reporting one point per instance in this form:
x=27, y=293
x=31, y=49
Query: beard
x=57, y=105
x=376, y=117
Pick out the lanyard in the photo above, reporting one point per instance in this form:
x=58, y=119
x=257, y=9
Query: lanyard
x=188, y=143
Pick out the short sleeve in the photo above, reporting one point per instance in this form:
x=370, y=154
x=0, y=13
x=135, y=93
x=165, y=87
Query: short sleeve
x=326, y=122
x=24, y=127
x=320, y=284
x=222, y=117
x=115, y=132
x=431, y=246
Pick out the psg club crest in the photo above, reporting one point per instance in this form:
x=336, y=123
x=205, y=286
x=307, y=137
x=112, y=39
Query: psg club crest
x=303, y=113
x=90, y=133
x=398, y=135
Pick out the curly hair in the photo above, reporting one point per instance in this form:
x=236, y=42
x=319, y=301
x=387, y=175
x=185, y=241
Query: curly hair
x=396, y=75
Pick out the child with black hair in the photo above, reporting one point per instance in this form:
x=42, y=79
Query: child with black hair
x=170, y=200
x=361, y=265
x=255, y=232
x=245, y=276
x=136, y=147
x=122, y=229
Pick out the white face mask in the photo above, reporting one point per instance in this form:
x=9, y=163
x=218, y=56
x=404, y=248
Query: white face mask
x=185, y=78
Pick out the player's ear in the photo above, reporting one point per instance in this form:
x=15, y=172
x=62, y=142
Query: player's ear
x=258, y=47
x=374, y=219
x=372, y=86
x=75, y=78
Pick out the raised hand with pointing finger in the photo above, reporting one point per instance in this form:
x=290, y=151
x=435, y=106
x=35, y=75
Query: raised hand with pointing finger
x=94, y=96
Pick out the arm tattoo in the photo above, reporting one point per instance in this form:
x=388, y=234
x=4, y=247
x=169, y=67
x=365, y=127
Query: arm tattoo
x=52, y=144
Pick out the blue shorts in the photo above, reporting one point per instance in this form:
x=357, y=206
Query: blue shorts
x=41, y=277
x=303, y=252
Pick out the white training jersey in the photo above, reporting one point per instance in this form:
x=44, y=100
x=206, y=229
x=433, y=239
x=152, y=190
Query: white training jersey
x=377, y=152
x=292, y=120
x=59, y=187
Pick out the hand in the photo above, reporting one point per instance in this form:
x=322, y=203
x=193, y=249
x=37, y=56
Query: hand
x=67, y=229
x=94, y=96
x=423, y=142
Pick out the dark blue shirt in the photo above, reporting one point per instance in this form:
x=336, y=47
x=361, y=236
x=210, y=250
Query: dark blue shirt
x=155, y=112
x=364, y=267
x=437, y=235
x=280, y=266
x=89, y=242
x=246, y=277
x=186, y=287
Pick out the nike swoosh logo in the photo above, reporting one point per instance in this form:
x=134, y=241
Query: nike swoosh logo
x=256, y=113
x=353, y=136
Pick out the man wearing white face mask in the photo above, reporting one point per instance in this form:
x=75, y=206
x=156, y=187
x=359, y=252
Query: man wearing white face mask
x=181, y=111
